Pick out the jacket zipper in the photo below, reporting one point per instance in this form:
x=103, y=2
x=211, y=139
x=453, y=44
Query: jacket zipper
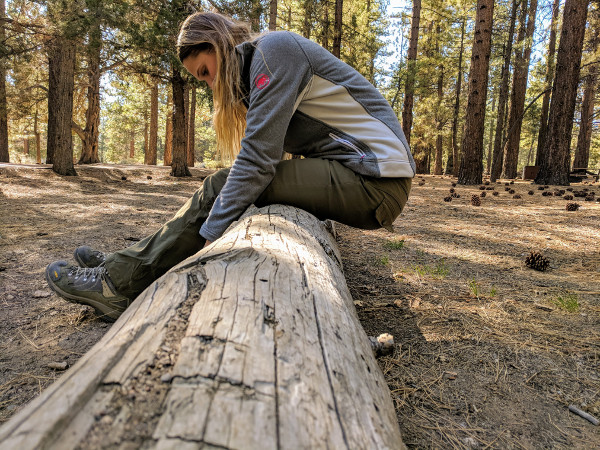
x=348, y=144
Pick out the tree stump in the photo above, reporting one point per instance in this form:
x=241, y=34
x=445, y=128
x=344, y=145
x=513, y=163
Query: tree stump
x=252, y=343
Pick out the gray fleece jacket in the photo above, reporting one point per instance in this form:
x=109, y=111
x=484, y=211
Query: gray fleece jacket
x=303, y=100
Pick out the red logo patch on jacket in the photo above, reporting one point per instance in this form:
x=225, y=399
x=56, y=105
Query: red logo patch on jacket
x=262, y=81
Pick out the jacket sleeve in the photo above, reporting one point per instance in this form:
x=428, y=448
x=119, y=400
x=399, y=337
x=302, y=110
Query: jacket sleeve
x=279, y=71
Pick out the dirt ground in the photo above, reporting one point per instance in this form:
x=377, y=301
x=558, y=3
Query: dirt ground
x=489, y=353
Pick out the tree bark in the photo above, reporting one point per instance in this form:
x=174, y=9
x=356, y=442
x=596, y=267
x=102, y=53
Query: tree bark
x=150, y=156
x=411, y=61
x=549, y=76
x=273, y=15
x=452, y=164
x=488, y=164
x=38, y=138
x=337, y=28
x=191, y=135
x=179, y=166
x=146, y=132
x=582, y=151
x=519, y=89
x=555, y=168
x=252, y=343
x=61, y=69
x=307, y=21
x=471, y=165
x=132, y=144
x=326, y=25
x=168, y=156
x=89, y=152
x=4, y=154
x=498, y=152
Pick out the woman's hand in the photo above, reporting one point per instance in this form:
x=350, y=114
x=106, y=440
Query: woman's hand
x=207, y=243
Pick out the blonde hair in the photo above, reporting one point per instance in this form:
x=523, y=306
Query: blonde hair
x=208, y=31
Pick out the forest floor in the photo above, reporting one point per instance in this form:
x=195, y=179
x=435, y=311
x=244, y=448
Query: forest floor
x=489, y=353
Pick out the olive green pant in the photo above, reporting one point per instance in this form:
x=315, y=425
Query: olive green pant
x=322, y=187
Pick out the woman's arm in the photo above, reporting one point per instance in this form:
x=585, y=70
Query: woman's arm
x=279, y=71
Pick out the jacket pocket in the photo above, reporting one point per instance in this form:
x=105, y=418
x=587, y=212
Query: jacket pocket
x=350, y=145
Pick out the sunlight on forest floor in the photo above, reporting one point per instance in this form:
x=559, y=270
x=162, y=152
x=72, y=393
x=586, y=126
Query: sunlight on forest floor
x=489, y=353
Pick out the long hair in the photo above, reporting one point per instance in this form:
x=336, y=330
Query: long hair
x=215, y=32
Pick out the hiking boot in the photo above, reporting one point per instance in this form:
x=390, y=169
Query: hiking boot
x=87, y=257
x=88, y=286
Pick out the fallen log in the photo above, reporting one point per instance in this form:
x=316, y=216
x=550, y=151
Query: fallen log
x=252, y=343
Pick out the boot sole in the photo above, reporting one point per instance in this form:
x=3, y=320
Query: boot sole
x=101, y=310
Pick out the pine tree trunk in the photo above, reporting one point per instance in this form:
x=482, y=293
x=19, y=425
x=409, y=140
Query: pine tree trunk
x=488, y=164
x=179, y=166
x=439, y=147
x=4, y=155
x=307, y=22
x=337, y=28
x=452, y=165
x=150, y=157
x=409, y=91
x=146, y=131
x=61, y=69
x=498, y=151
x=326, y=25
x=519, y=89
x=555, y=168
x=549, y=76
x=38, y=139
x=273, y=15
x=582, y=152
x=168, y=156
x=26, y=146
x=191, y=135
x=471, y=164
x=89, y=152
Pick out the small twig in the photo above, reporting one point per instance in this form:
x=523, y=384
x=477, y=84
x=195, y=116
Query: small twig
x=29, y=340
x=586, y=416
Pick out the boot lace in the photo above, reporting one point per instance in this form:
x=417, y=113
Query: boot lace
x=88, y=272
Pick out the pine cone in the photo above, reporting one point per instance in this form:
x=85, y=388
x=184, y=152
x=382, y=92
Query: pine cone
x=589, y=197
x=482, y=188
x=530, y=192
x=482, y=194
x=568, y=197
x=448, y=199
x=517, y=196
x=511, y=192
x=475, y=200
x=572, y=206
x=495, y=193
x=536, y=261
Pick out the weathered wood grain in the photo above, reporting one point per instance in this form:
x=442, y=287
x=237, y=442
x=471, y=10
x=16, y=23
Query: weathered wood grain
x=253, y=343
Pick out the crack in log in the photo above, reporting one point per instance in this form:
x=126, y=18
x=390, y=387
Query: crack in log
x=327, y=368
x=132, y=413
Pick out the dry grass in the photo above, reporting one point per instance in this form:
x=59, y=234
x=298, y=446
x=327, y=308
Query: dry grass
x=487, y=355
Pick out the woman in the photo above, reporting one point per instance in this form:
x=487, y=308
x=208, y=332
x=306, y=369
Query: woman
x=274, y=93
